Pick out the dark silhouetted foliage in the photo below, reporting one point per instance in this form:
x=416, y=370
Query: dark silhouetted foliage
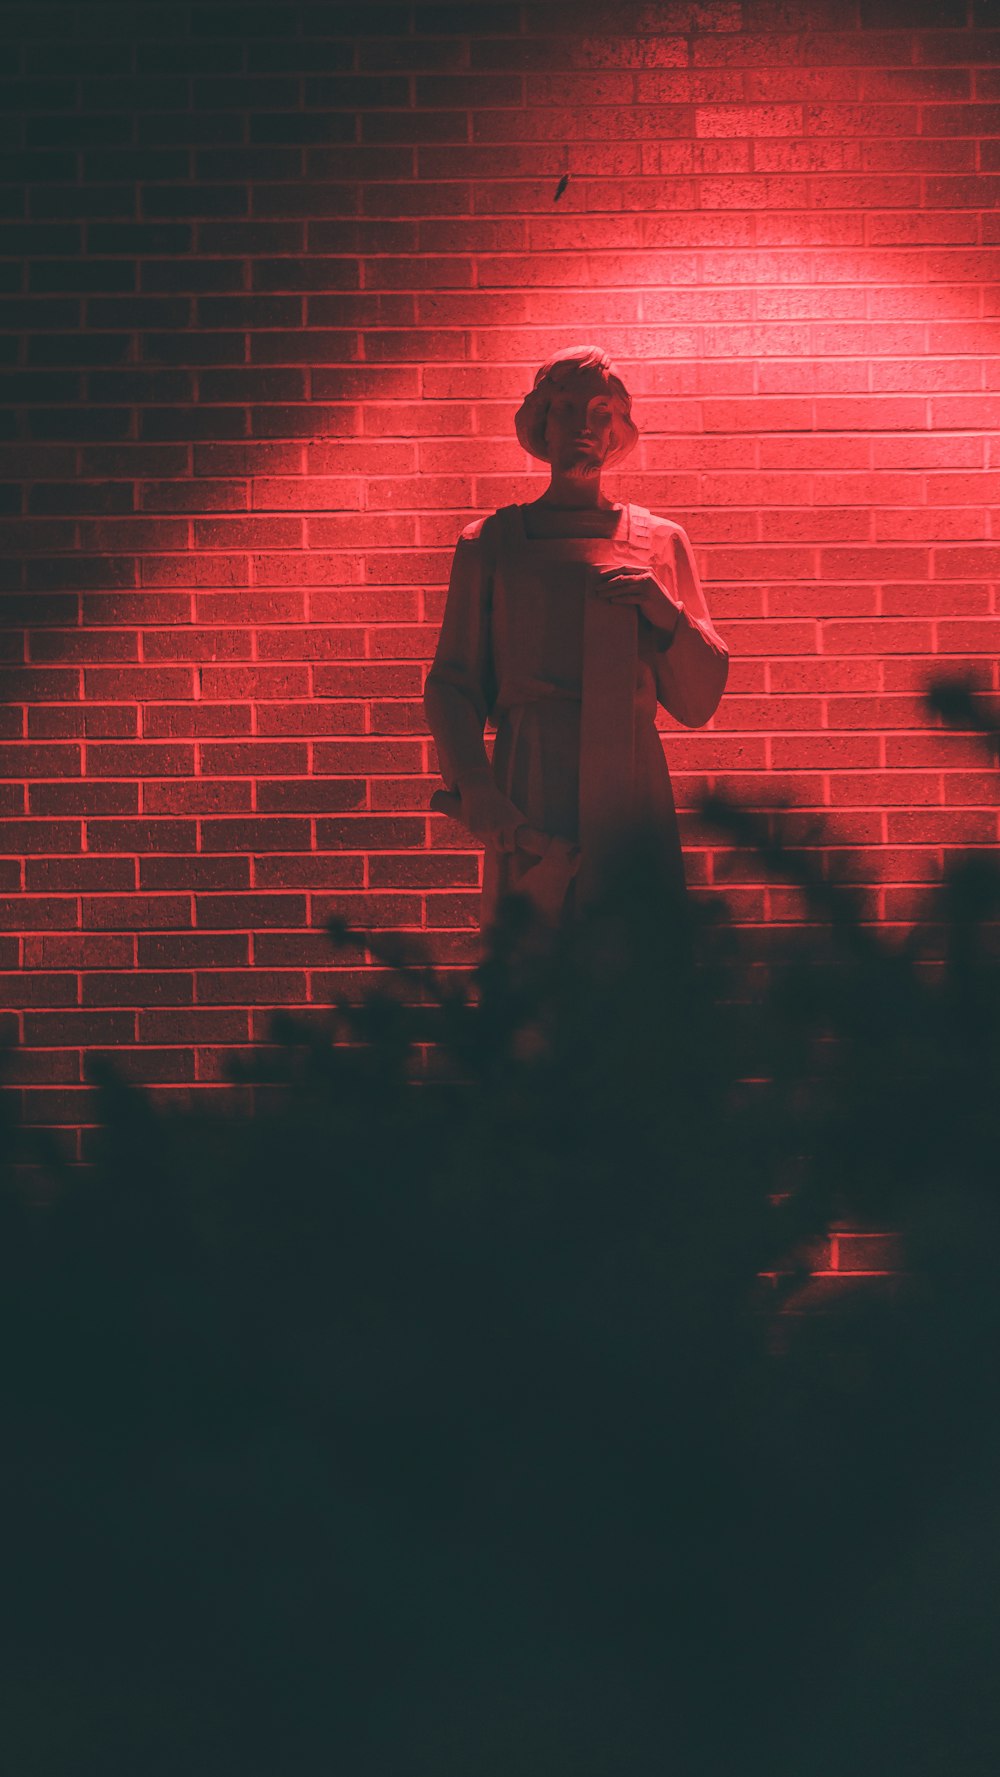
x=493, y=1420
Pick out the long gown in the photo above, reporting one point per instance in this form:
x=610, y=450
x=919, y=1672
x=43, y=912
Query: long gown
x=521, y=641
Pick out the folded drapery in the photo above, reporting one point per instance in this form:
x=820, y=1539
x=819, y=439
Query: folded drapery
x=528, y=632
x=607, y=734
x=607, y=742
x=545, y=883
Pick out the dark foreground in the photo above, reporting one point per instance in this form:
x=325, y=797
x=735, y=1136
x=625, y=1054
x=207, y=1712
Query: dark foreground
x=492, y=1427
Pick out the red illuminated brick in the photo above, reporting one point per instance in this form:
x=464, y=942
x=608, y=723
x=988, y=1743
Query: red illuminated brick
x=225, y=562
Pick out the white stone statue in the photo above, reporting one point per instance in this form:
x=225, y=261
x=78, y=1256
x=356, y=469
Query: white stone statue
x=567, y=620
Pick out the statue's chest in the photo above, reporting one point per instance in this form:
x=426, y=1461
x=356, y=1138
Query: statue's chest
x=540, y=591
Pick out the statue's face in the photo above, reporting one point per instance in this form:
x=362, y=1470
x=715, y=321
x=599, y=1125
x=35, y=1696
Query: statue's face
x=579, y=423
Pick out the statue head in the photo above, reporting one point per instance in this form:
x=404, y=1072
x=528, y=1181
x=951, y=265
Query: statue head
x=587, y=372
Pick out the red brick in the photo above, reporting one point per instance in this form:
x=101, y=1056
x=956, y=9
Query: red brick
x=394, y=794
x=193, y=1024
x=149, y=1066
x=449, y=911
x=310, y=795
x=194, y=496
x=79, y=875
x=310, y=718
x=398, y=718
x=82, y=1028
x=197, y=796
x=714, y=752
x=292, y=949
x=310, y=871
x=187, y=950
x=368, y=910
x=939, y=826
x=821, y=752
x=981, y=561
x=354, y=606
x=141, y=836
x=118, y=721
x=973, y=787
x=421, y=871
x=39, y=761
x=883, y=788
x=883, y=635
x=258, y=681
x=773, y=713
x=942, y=749
x=38, y=913
x=182, y=872
x=223, y=912
x=184, y=720
x=904, y=864
x=874, y=712
x=318, y=493
x=138, y=684
x=248, y=531
x=358, y=833
x=257, y=987
x=771, y=637
x=189, y=570
x=139, y=988
x=260, y=835
x=135, y=608
x=136, y=912
x=259, y=605
x=968, y=638
x=79, y=949
x=126, y=760
x=24, y=838
x=21, y=989
x=83, y=799
x=252, y=758
x=198, y=645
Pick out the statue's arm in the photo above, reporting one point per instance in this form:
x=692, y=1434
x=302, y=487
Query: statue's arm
x=460, y=687
x=692, y=665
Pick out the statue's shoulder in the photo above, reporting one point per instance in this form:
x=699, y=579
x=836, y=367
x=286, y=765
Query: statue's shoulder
x=663, y=528
x=473, y=532
x=484, y=529
x=662, y=535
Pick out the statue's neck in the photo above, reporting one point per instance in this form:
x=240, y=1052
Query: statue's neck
x=575, y=492
x=542, y=520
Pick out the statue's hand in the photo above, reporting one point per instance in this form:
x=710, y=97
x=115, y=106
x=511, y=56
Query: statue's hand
x=488, y=813
x=636, y=586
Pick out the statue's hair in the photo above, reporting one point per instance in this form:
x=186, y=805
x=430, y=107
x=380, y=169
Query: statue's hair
x=529, y=421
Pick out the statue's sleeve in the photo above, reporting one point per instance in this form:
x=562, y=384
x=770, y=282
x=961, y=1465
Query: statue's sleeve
x=692, y=666
x=461, y=689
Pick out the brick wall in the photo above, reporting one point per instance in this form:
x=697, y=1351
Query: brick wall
x=273, y=280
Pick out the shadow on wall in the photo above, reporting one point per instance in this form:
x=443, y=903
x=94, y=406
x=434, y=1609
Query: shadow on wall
x=503, y=1424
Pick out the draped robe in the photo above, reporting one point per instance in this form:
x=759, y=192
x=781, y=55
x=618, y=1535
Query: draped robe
x=571, y=682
